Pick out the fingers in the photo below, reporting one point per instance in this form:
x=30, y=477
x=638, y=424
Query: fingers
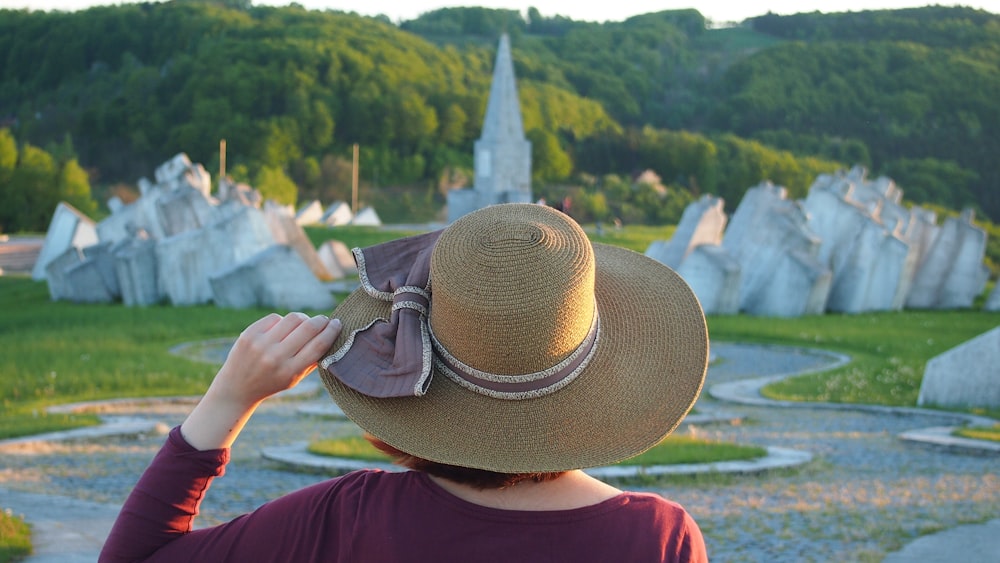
x=287, y=325
x=263, y=325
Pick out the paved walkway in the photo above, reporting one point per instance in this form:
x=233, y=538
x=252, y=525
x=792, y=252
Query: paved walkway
x=867, y=494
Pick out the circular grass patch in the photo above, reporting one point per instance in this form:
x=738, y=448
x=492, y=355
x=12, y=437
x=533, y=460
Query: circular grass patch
x=671, y=451
x=990, y=433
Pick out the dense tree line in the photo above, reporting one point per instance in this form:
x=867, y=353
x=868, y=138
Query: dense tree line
x=909, y=93
x=916, y=88
x=33, y=181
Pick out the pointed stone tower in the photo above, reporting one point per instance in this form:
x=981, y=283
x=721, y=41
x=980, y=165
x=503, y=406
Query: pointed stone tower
x=502, y=154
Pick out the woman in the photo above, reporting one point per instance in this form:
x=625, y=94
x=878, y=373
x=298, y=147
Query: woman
x=495, y=359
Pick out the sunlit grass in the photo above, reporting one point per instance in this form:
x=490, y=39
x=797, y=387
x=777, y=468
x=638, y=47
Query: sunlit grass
x=888, y=350
x=58, y=352
x=688, y=449
x=671, y=451
x=353, y=236
x=15, y=537
x=991, y=433
x=348, y=447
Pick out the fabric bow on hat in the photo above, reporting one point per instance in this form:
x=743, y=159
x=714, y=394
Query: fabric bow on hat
x=391, y=357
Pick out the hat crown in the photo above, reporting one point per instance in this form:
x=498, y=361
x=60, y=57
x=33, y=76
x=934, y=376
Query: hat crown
x=513, y=289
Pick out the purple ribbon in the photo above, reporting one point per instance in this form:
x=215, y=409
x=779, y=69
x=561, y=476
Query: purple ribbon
x=391, y=357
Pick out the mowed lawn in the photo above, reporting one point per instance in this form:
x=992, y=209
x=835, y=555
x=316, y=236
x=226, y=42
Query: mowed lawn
x=58, y=352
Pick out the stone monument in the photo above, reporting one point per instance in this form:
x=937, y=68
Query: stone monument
x=952, y=274
x=339, y=213
x=68, y=229
x=966, y=376
x=177, y=243
x=502, y=155
x=769, y=237
x=703, y=222
x=861, y=226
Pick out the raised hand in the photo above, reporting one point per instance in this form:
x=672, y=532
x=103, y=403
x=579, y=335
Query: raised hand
x=271, y=355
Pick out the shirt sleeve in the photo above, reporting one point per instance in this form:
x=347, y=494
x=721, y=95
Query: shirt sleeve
x=165, y=501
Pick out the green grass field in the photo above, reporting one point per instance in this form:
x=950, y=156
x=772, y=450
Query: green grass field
x=671, y=451
x=15, y=538
x=58, y=352
x=888, y=350
x=991, y=433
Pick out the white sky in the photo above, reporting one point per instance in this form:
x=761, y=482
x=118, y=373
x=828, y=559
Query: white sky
x=605, y=10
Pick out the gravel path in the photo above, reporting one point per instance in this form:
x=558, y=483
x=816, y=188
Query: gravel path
x=865, y=494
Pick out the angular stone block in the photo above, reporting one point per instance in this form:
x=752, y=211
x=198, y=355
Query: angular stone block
x=872, y=265
x=798, y=286
x=703, y=222
x=310, y=213
x=135, y=264
x=461, y=202
x=86, y=284
x=199, y=179
x=952, y=274
x=337, y=259
x=275, y=278
x=287, y=232
x=337, y=214
x=967, y=376
x=172, y=169
x=367, y=217
x=183, y=268
x=104, y=261
x=241, y=193
x=714, y=276
x=769, y=237
x=68, y=229
x=55, y=273
x=183, y=209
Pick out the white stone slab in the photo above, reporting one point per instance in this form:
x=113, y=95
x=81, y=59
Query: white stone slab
x=703, y=222
x=68, y=228
x=367, y=217
x=276, y=278
x=953, y=273
x=967, y=376
x=337, y=214
x=287, y=231
x=714, y=276
x=310, y=213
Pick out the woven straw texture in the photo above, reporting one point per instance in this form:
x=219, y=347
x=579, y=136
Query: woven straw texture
x=511, y=293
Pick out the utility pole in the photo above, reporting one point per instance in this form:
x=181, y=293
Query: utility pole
x=222, y=159
x=354, y=182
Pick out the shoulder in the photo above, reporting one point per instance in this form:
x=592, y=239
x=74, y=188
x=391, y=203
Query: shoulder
x=677, y=533
x=657, y=513
x=366, y=483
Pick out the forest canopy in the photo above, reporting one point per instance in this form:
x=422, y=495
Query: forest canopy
x=907, y=93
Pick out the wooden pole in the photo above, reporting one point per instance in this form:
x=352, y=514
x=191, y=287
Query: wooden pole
x=354, y=182
x=222, y=159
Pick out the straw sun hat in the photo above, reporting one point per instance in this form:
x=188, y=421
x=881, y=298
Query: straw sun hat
x=509, y=342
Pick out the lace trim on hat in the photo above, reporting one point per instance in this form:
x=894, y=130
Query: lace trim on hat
x=523, y=386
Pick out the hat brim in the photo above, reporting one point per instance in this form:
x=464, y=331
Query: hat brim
x=645, y=376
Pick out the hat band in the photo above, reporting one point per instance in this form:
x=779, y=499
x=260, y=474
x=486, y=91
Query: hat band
x=524, y=386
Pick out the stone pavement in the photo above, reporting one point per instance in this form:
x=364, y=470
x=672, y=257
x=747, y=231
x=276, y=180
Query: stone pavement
x=865, y=480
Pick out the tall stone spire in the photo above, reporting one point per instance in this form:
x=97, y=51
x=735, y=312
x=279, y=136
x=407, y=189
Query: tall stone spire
x=502, y=155
x=503, y=111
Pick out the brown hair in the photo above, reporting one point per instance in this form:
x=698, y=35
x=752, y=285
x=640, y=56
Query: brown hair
x=477, y=478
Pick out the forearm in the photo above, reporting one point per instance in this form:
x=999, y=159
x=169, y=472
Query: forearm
x=165, y=501
x=272, y=355
x=216, y=421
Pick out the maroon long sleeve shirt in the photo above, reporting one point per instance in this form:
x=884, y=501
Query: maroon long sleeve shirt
x=375, y=516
